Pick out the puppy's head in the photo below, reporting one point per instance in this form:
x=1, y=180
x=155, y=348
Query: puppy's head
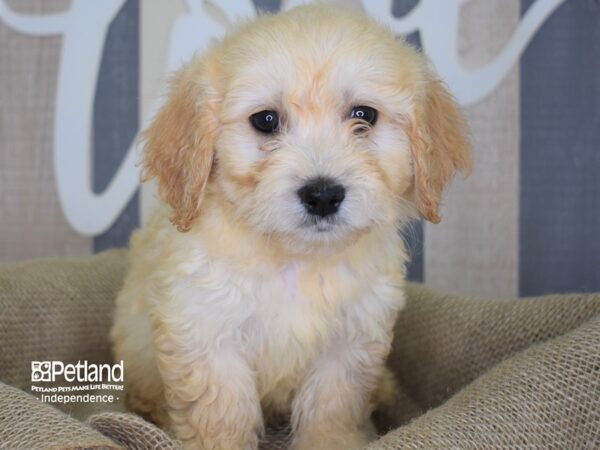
x=315, y=126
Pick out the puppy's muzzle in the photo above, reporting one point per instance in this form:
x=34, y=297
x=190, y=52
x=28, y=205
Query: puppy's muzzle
x=322, y=197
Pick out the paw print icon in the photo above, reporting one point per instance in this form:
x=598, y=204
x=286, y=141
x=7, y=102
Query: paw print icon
x=41, y=371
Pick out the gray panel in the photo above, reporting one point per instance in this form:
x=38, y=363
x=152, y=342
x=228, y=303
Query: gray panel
x=116, y=116
x=413, y=233
x=267, y=5
x=560, y=153
x=413, y=238
x=403, y=7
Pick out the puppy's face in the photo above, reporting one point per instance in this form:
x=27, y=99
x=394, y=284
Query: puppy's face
x=315, y=125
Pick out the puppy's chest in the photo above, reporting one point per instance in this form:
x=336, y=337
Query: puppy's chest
x=298, y=306
x=295, y=313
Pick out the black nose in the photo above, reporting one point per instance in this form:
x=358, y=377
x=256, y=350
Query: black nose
x=322, y=197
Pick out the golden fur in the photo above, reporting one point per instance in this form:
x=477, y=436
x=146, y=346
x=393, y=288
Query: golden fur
x=243, y=311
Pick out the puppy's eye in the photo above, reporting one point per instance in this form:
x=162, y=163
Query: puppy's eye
x=266, y=122
x=365, y=113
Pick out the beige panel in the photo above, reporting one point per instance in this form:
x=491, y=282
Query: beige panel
x=31, y=220
x=156, y=19
x=474, y=249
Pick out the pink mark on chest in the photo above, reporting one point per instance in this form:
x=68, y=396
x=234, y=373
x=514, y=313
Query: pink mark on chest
x=289, y=276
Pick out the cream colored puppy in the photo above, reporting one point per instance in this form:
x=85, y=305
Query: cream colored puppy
x=287, y=156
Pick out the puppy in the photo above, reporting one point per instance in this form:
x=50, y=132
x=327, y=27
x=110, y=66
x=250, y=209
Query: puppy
x=287, y=157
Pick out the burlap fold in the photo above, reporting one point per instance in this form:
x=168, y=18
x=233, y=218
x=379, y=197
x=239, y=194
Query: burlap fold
x=443, y=342
x=545, y=397
x=132, y=432
x=28, y=424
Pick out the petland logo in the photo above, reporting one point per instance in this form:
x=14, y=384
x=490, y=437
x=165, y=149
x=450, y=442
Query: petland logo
x=82, y=372
x=90, y=383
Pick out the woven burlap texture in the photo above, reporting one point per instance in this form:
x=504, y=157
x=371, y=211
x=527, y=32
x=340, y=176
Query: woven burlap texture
x=27, y=423
x=132, y=432
x=474, y=374
x=56, y=310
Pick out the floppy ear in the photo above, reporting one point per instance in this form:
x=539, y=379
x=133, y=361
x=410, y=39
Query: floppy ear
x=440, y=147
x=179, y=144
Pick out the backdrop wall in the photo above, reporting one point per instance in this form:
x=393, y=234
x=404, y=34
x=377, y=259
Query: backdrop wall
x=78, y=80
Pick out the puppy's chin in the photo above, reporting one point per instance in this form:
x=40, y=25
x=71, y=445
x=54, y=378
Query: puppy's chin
x=327, y=229
x=321, y=235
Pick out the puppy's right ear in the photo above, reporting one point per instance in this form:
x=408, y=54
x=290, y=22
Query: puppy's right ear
x=440, y=146
x=179, y=143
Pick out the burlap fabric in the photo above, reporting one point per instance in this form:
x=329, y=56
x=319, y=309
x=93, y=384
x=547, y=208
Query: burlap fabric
x=56, y=310
x=474, y=374
x=132, y=432
x=27, y=423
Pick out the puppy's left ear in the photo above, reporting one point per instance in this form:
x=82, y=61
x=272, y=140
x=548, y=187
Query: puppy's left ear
x=440, y=146
x=179, y=144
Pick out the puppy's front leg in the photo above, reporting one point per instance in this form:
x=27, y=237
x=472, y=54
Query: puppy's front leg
x=211, y=395
x=332, y=409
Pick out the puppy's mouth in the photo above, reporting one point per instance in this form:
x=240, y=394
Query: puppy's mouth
x=322, y=224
